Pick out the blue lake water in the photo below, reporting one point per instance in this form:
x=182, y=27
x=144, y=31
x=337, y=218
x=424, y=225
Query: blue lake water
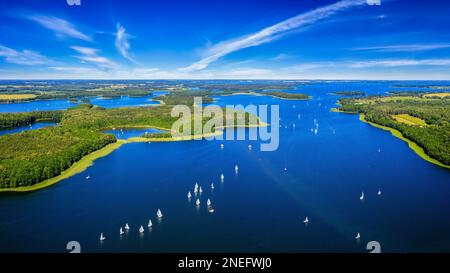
x=129, y=133
x=262, y=207
x=34, y=126
x=61, y=104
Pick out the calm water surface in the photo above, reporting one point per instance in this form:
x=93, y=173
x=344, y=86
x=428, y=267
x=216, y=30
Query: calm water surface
x=262, y=207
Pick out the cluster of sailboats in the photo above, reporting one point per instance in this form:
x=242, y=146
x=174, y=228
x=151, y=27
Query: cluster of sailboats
x=126, y=228
x=198, y=191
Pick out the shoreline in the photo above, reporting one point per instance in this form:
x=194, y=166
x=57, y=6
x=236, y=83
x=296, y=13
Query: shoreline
x=396, y=133
x=412, y=145
x=78, y=167
x=87, y=161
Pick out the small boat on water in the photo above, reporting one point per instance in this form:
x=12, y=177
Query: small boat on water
x=127, y=227
x=221, y=146
x=306, y=221
x=159, y=214
x=212, y=186
x=210, y=210
x=222, y=177
x=236, y=168
x=285, y=169
x=249, y=146
x=208, y=202
x=362, y=196
x=150, y=224
x=358, y=236
x=200, y=190
x=88, y=177
x=189, y=195
x=379, y=192
x=197, y=202
x=121, y=231
x=102, y=238
x=141, y=229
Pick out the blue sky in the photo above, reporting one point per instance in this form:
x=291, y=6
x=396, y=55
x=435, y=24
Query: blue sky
x=225, y=39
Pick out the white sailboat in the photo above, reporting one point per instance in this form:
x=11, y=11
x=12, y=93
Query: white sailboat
x=379, y=192
x=210, y=210
x=285, y=169
x=362, y=196
x=141, y=229
x=197, y=202
x=195, y=188
x=249, y=146
x=189, y=195
x=159, y=214
x=236, y=169
x=212, y=186
x=88, y=177
x=221, y=146
x=121, y=231
x=200, y=190
x=127, y=227
x=102, y=238
x=306, y=221
x=208, y=202
x=358, y=236
x=379, y=150
x=222, y=177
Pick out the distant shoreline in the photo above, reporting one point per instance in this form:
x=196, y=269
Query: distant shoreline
x=260, y=94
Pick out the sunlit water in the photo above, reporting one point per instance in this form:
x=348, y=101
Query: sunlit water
x=262, y=207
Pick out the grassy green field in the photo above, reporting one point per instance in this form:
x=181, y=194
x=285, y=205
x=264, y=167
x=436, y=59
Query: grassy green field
x=16, y=97
x=409, y=120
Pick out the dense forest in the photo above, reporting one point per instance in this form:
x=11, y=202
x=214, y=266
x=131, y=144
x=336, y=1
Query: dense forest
x=33, y=156
x=434, y=138
x=22, y=119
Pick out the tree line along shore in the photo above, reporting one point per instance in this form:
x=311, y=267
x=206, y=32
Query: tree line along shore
x=424, y=120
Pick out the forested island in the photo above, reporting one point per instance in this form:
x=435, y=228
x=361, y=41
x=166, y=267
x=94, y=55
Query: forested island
x=31, y=157
x=34, y=156
x=421, y=119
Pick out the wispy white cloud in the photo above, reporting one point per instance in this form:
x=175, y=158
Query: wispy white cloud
x=403, y=48
x=399, y=62
x=90, y=55
x=272, y=33
x=282, y=57
x=24, y=57
x=122, y=43
x=60, y=27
